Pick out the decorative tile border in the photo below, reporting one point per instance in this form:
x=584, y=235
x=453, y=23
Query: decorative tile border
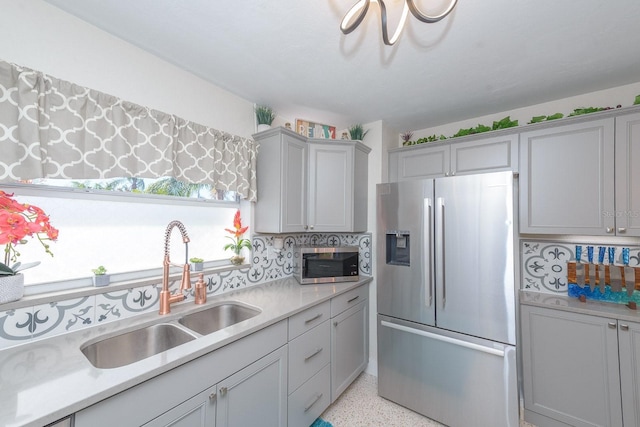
x=544, y=264
x=41, y=321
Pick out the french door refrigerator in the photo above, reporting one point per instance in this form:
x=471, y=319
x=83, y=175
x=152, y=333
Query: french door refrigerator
x=446, y=298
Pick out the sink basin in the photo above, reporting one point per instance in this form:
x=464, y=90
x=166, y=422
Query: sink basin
x=217, y=317
x=121, y=350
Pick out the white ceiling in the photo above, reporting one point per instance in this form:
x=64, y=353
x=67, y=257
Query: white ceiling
x=486, y=57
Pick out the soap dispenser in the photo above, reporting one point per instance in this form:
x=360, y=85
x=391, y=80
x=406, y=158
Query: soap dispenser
x=201, y=290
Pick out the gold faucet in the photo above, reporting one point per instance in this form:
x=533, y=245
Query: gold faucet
x=166, y=297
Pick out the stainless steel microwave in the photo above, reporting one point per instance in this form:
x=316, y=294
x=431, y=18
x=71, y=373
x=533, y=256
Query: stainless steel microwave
x=323, y=264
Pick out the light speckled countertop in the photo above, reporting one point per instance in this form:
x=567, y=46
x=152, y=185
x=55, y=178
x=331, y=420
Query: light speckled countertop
x=43, y=381
x=591, y=307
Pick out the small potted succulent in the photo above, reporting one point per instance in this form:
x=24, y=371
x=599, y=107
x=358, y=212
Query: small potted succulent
x=265, y=116
x=100, y=276
x=238, y=242
x=196, y=264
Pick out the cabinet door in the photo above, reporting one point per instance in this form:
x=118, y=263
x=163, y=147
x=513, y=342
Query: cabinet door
x=418, y=163
x=294, y=173
x=628, y=175
x=629, y=337
x=349, y=347
x=567, y=179
x=330, y=206
x=570, y=368
x=256, y=395
x=485, y=155
x=198, y=411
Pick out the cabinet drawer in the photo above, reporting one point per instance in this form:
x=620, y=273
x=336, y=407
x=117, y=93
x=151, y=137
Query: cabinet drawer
x=308, y=319
x=308, y=354
x=311, y=399
x=348, y=299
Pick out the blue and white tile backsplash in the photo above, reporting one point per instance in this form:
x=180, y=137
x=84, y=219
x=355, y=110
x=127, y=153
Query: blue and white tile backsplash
x=22, y=325
x=544, y=264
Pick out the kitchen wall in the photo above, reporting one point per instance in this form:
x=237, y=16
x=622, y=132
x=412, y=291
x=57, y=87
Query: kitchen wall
x=37, y=35
x=621, y=95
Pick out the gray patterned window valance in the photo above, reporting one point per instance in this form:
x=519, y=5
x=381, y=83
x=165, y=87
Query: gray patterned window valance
x=50, y=128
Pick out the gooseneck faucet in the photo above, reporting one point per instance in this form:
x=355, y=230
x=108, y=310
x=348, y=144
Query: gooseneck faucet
x=166, y=297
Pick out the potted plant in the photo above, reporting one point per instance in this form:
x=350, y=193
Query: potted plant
x=264, y=116
x=357, y=132
x=18, y=221
x=238, y=242
x=196, y=264
x=100, y=276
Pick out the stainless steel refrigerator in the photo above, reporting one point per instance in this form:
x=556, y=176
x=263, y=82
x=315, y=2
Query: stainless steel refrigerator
x=446, y=298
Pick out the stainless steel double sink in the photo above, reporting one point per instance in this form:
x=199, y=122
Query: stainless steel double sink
x=129, y=347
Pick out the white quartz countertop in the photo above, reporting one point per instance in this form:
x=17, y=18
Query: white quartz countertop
x=46, y=380
x=590, y=307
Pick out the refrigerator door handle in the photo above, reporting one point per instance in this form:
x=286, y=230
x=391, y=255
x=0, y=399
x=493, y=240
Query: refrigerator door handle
x=426, y=248
x=440, y=255
x=489, y=350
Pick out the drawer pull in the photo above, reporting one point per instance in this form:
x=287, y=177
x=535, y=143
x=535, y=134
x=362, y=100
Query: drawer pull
x=318, y=350
x=353, y=299
x=223, y=391
x=317, y=316
x=212, y=397
x=624, y=327
x=318, y=397
x=612, y=325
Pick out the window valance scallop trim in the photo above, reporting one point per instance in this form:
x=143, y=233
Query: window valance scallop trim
x=50, y=128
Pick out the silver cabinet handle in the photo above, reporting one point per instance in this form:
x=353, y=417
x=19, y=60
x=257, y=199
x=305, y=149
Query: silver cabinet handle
x=612, y=325
x=622, y=230
x=318, y=397
x=610, y=229
x=317, y=351
x=223, y=391
x=353, y=299
x=624, y=327
x=306, y=227
x=212, y=397
x=317, y=316
x=453, y=173
x=311, y=227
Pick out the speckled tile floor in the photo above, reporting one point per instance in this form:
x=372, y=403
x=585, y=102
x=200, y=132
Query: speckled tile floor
x=360, y=406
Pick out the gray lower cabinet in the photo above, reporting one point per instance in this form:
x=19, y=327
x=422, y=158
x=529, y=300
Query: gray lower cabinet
x=257, y=395
x=245, y=380
x=349, y=338
x=309, y=364
x=199, y=411
x=572, y=369
x=435, y=160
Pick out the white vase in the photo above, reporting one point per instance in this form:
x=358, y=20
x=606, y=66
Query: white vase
x=262, y=127
x=11, y=288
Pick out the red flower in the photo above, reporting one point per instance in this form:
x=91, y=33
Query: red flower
x=237, y=232
x=18, y=221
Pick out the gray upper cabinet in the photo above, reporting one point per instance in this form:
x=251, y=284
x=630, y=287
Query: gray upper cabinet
x=567, y=179
x=627, y=175
x=282, y=175
x=492, y=154
x=310, y=185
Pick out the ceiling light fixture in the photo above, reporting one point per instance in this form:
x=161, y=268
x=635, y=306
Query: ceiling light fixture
x=356, y=15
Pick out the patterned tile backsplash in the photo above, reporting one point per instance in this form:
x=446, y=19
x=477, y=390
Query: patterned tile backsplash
x=22, y=325
x=544, y=264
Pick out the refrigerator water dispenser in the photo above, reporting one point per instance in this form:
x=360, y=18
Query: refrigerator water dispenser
x=398, y=248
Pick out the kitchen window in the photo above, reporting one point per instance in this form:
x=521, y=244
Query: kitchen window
x=120, y=229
